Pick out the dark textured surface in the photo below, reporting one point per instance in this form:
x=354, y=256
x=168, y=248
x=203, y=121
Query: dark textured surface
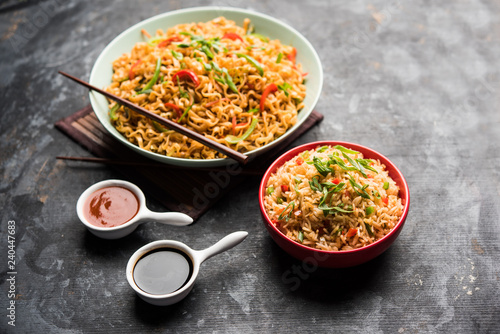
x=417, y=81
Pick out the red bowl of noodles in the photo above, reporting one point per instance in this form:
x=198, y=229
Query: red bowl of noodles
x=324, y=204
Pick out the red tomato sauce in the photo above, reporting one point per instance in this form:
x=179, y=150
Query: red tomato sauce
x=111, y=206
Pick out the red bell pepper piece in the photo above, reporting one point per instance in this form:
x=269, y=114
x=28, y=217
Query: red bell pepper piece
x=284, y=188
x=352, y=232
x=336, y=181
x=131, y=74
x=187, y=74
x=175, y=107
x=291, y=56
x=233, y=36
x=385, y=200
x=169, y=40
x=209, y=104
x=271, y=88
x=299, y=161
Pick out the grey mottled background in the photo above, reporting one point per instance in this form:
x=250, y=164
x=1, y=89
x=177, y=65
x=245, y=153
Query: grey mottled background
x=418, y=81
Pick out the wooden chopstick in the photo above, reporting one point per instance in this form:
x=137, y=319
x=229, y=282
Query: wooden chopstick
x=240, y=157
x=150, y=164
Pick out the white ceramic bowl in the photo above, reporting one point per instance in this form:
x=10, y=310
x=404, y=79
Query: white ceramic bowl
x=264, y=24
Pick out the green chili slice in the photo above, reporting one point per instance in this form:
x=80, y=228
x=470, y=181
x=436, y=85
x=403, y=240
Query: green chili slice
x=252, y=61
x=234, y=140
x=155, y=77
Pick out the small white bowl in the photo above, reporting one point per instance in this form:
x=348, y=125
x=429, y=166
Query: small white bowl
x=142, y=216
x=196, y=258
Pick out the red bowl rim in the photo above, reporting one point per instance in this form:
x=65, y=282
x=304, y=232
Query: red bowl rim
x=363, y=149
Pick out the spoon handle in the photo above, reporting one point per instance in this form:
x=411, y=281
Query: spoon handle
x=169, y=218
x=228, y=242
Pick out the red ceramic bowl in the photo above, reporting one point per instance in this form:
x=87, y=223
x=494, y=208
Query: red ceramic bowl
x=336, y=259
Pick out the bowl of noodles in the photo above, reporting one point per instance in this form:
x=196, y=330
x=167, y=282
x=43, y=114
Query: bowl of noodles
x=238, y=77
x=334, y=204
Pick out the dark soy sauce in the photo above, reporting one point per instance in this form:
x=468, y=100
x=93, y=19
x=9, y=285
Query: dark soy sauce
x=162, y=271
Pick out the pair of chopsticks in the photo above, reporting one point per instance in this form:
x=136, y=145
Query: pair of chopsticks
x=240, y=157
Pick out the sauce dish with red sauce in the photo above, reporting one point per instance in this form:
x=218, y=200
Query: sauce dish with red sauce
x=112, y=209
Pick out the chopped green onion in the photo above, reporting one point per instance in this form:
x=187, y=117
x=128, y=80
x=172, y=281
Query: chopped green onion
x=153, y=41
x=287, y=216
x=345, y=150
x=158, y=127
x=301, y=236
x=315, y=185
x=369, y=229
x=254, y=110
x=234, y=140
x=207, y=67
x=355, y=164
x=177, y=55
x=261, y=37
x=321, y=167
x=207, y=51
x=285, y=87
x=269, y=190
x=252, y=61
x=154, y=79
x=386, y=185
x=112, y=112
x=230, y=82
x=322, y=149
x=279, y=200
x=356, y=186
x=369, y=210
x=184, y=113
x=278, y=59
